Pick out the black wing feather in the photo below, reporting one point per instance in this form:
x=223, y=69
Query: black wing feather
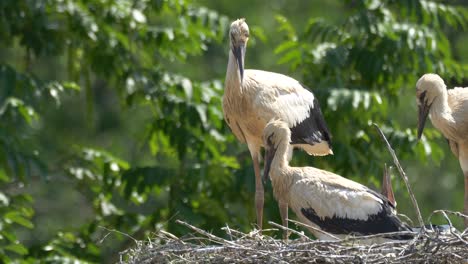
x=313, y=129
x=382, y=222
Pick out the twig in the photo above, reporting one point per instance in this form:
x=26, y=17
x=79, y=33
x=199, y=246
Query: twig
x=170, y=235
x=203, y=232
x=444, y=214
x=403, y=175
x=110, y=231
x=289, y=230
x=313, y=228
x=406, y=218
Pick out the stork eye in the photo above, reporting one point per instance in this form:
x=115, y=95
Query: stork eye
x=422, y=97
x=269, y=141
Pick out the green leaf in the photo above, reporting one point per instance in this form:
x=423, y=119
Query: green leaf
x=187, y=86
x=290, y=57
x=259, y=33
x=71, y=86
x=287, y=45
x=4, y=201
x=28, y=113
x=17, y=248
x=16, y=217
x=3, y=175
x=10, y=236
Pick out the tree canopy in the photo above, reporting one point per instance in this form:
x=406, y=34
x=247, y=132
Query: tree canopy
x=111, y=119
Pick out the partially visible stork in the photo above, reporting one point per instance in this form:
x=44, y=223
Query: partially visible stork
x=254, y=97
x=448, y=111
x=322, y=199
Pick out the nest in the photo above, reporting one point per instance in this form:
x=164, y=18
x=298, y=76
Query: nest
x=427, y=246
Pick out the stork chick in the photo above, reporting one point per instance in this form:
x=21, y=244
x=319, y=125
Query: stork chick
x=322, y=199
x=448, y=111
x=254, y=97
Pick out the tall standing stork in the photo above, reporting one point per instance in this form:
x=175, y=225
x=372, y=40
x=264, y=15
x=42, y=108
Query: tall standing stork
x=254, y=97
x=321, y=199
x=448, y=111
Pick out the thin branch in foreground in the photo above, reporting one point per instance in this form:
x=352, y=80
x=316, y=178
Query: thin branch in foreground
x=289, y=230
x=403, y=175
x=110, y=231
x=314, y=228
x=203, y=232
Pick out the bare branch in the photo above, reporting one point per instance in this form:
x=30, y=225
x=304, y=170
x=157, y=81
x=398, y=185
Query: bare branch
x=403, y=175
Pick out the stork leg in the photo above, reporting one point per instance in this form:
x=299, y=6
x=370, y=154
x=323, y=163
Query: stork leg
x=463, y=158
x=465, y=209
x=283, y=208
x=259, y=191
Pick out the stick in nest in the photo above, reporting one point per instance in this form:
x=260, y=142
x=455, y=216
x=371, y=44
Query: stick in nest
x=314, y=228
x=203, y=232
x=403, y=175
x=289, y=230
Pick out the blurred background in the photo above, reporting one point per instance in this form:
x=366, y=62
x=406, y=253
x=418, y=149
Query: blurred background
x=111, y=125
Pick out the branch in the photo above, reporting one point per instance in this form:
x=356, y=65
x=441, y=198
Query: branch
x=300, y=234
x=314, y=228
x=208, y=235
x=403, y=175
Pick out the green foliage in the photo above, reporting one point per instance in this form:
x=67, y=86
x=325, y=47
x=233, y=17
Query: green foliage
x=363, y=65
x=128, y=44
x=19, y=156
x=96, y=96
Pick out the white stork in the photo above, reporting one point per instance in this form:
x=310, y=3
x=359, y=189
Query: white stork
x=322, y=199
x=254, y=97
x=448, y=111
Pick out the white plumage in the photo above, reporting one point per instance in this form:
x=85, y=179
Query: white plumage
x=285, y=93
x=341, y=199
x=448, y=111
x=322, y=199
x=254, y=97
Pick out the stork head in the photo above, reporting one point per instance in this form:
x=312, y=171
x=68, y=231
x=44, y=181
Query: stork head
x=274, y=133
x=239, y=35
x=428, y=88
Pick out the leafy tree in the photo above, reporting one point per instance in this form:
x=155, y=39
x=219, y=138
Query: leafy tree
x=124, y=45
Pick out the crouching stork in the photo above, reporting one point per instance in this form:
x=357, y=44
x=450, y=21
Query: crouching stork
x=322, y=199
x=254, y=97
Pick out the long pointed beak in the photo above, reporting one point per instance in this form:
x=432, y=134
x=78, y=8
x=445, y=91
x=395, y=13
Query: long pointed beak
x=387, y=189
x=239, y=53
x=269, y=155
x=423, y=111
